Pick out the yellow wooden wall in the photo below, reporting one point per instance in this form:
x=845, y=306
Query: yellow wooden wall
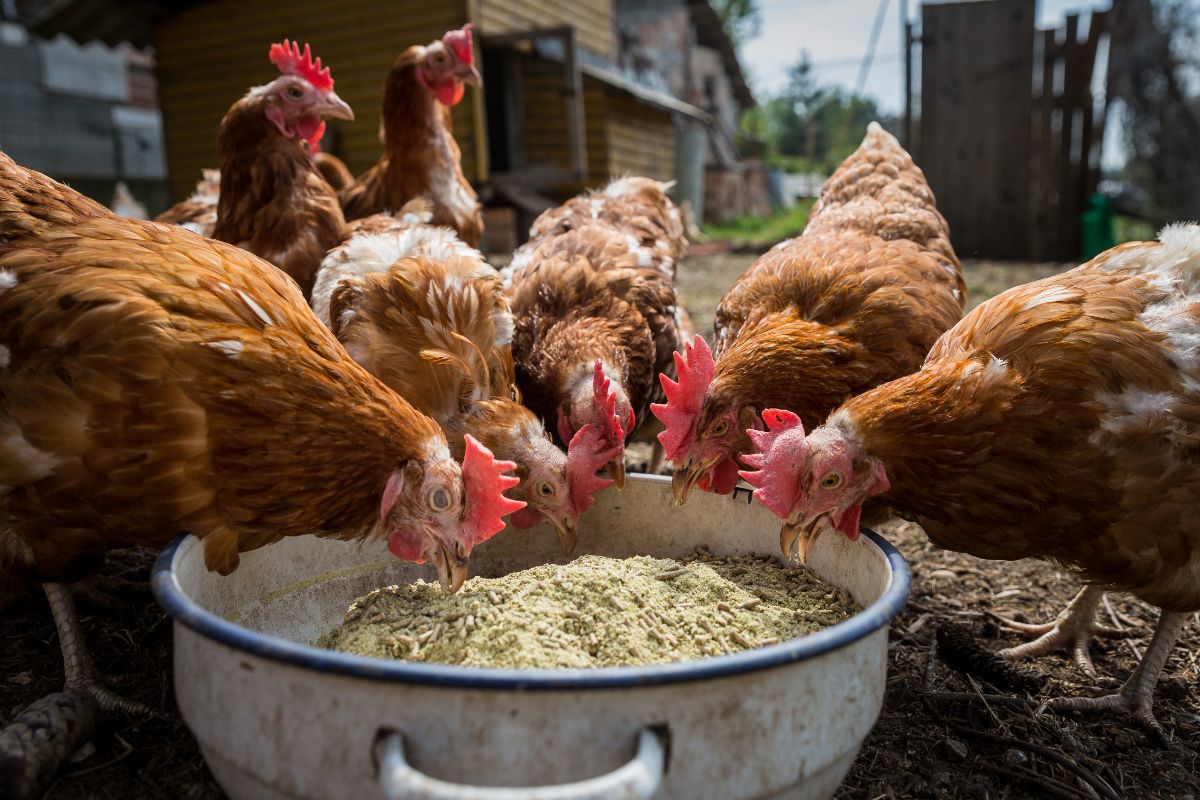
x=210, y=53
x=623, y=134
x=641, y=138
x=593, y=19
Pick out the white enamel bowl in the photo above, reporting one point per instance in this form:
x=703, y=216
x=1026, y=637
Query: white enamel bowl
x=277, y=718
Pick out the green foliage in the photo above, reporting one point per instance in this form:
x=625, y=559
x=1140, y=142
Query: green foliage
x=760, y=233
x=810, y=127
x=741, y=18
x=1128, y=229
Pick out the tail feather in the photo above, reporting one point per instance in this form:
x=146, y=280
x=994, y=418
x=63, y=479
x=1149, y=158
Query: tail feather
x=30, y=202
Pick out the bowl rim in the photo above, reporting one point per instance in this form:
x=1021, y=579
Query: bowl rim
x=187, y=612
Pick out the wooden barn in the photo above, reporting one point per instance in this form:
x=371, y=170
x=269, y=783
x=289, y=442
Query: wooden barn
x=556, y=114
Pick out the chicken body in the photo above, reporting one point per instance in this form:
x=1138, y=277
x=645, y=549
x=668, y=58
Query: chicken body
x=420, y=156
x=586, y=292
x=152, y=382
x=1058, y=420
x=855, y=301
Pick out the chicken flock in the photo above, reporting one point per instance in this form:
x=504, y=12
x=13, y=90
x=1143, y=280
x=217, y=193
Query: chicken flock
x=296, y=351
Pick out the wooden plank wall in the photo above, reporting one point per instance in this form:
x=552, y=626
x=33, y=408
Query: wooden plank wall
x=592, y=19
x=976, y=106
x=210, y=53
x=1067, y=136
x=544, y=120
x=641, y=139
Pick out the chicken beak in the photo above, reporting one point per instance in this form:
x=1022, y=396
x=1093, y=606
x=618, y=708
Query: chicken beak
x=470, y=76
x=795, y=536
x=335, y=107
x=616, y=471
x=451, y=568
x=566, y=534
x=682, y=481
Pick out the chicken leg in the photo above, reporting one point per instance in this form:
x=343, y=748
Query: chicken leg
x=1072, y=630
x=1137, y=695
x=80, y=673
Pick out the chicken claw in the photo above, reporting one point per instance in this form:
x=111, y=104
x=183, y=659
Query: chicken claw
x=1072, y=631
x=80, y=672
x=1136, y=697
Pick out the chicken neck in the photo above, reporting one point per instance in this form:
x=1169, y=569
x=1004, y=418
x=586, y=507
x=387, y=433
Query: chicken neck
x=414, y=123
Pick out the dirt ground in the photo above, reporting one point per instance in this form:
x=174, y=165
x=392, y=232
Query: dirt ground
x=953, y=725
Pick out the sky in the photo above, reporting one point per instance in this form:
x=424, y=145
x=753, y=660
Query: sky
x=836, y=33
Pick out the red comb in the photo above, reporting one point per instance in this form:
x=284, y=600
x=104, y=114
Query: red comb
x=776, y=483
x=459, y=43
x=684, y=397
x=287, y=56
x=485, y=482
x=588, y=451
x=604, y=404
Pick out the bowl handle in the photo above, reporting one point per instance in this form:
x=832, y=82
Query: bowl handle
x=638, y=779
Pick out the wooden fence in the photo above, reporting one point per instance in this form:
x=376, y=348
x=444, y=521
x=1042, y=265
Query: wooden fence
x=1008, y=133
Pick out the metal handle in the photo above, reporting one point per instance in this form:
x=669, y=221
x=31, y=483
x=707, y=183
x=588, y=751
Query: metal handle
x=637, y=780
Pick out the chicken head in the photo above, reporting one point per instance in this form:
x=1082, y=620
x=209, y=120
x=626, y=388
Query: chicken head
x=702, y=435
x=447, y=64
x=602, y=404
x=302, y=96
x=435, y=510
x=811, y=482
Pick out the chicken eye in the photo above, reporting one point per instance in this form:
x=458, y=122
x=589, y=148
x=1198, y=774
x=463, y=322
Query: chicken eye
x=546, y=490
x=719, y=429
x=295, y=93
x=439, y=500
x=438, y=58
x=831, y=481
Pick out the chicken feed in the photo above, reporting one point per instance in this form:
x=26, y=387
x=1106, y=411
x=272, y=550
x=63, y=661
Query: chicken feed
x=595, y=612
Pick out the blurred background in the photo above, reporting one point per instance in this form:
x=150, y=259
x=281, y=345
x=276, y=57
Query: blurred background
x=1048, y=130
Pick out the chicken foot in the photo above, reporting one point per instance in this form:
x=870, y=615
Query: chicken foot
x=1072, y=631
x=1137, y=695
x=80, y=672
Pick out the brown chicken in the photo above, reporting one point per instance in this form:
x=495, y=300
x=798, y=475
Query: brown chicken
x=855, y=301
x=638, y=207
x=152, y=381
x=596, y=312
x=1058, y=420
x=420, y=157
x=273, y=201
x=427, y=316
x=199, y=212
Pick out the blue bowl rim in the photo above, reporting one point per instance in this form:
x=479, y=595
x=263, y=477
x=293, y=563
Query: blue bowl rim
x=187, y=612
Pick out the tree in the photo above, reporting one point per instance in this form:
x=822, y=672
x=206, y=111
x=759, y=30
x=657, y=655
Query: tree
x=1152, y=76
x=814, y=127
x=741, y=18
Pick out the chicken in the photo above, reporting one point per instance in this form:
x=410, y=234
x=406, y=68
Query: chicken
x=152, y=381
x=199, y=212
x=636, y=206
x=596, y=312
x=854, y=301
x=124, y=204
x=273, y=201
x=1058, y=420
x=426, y=315
x=420, y=156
